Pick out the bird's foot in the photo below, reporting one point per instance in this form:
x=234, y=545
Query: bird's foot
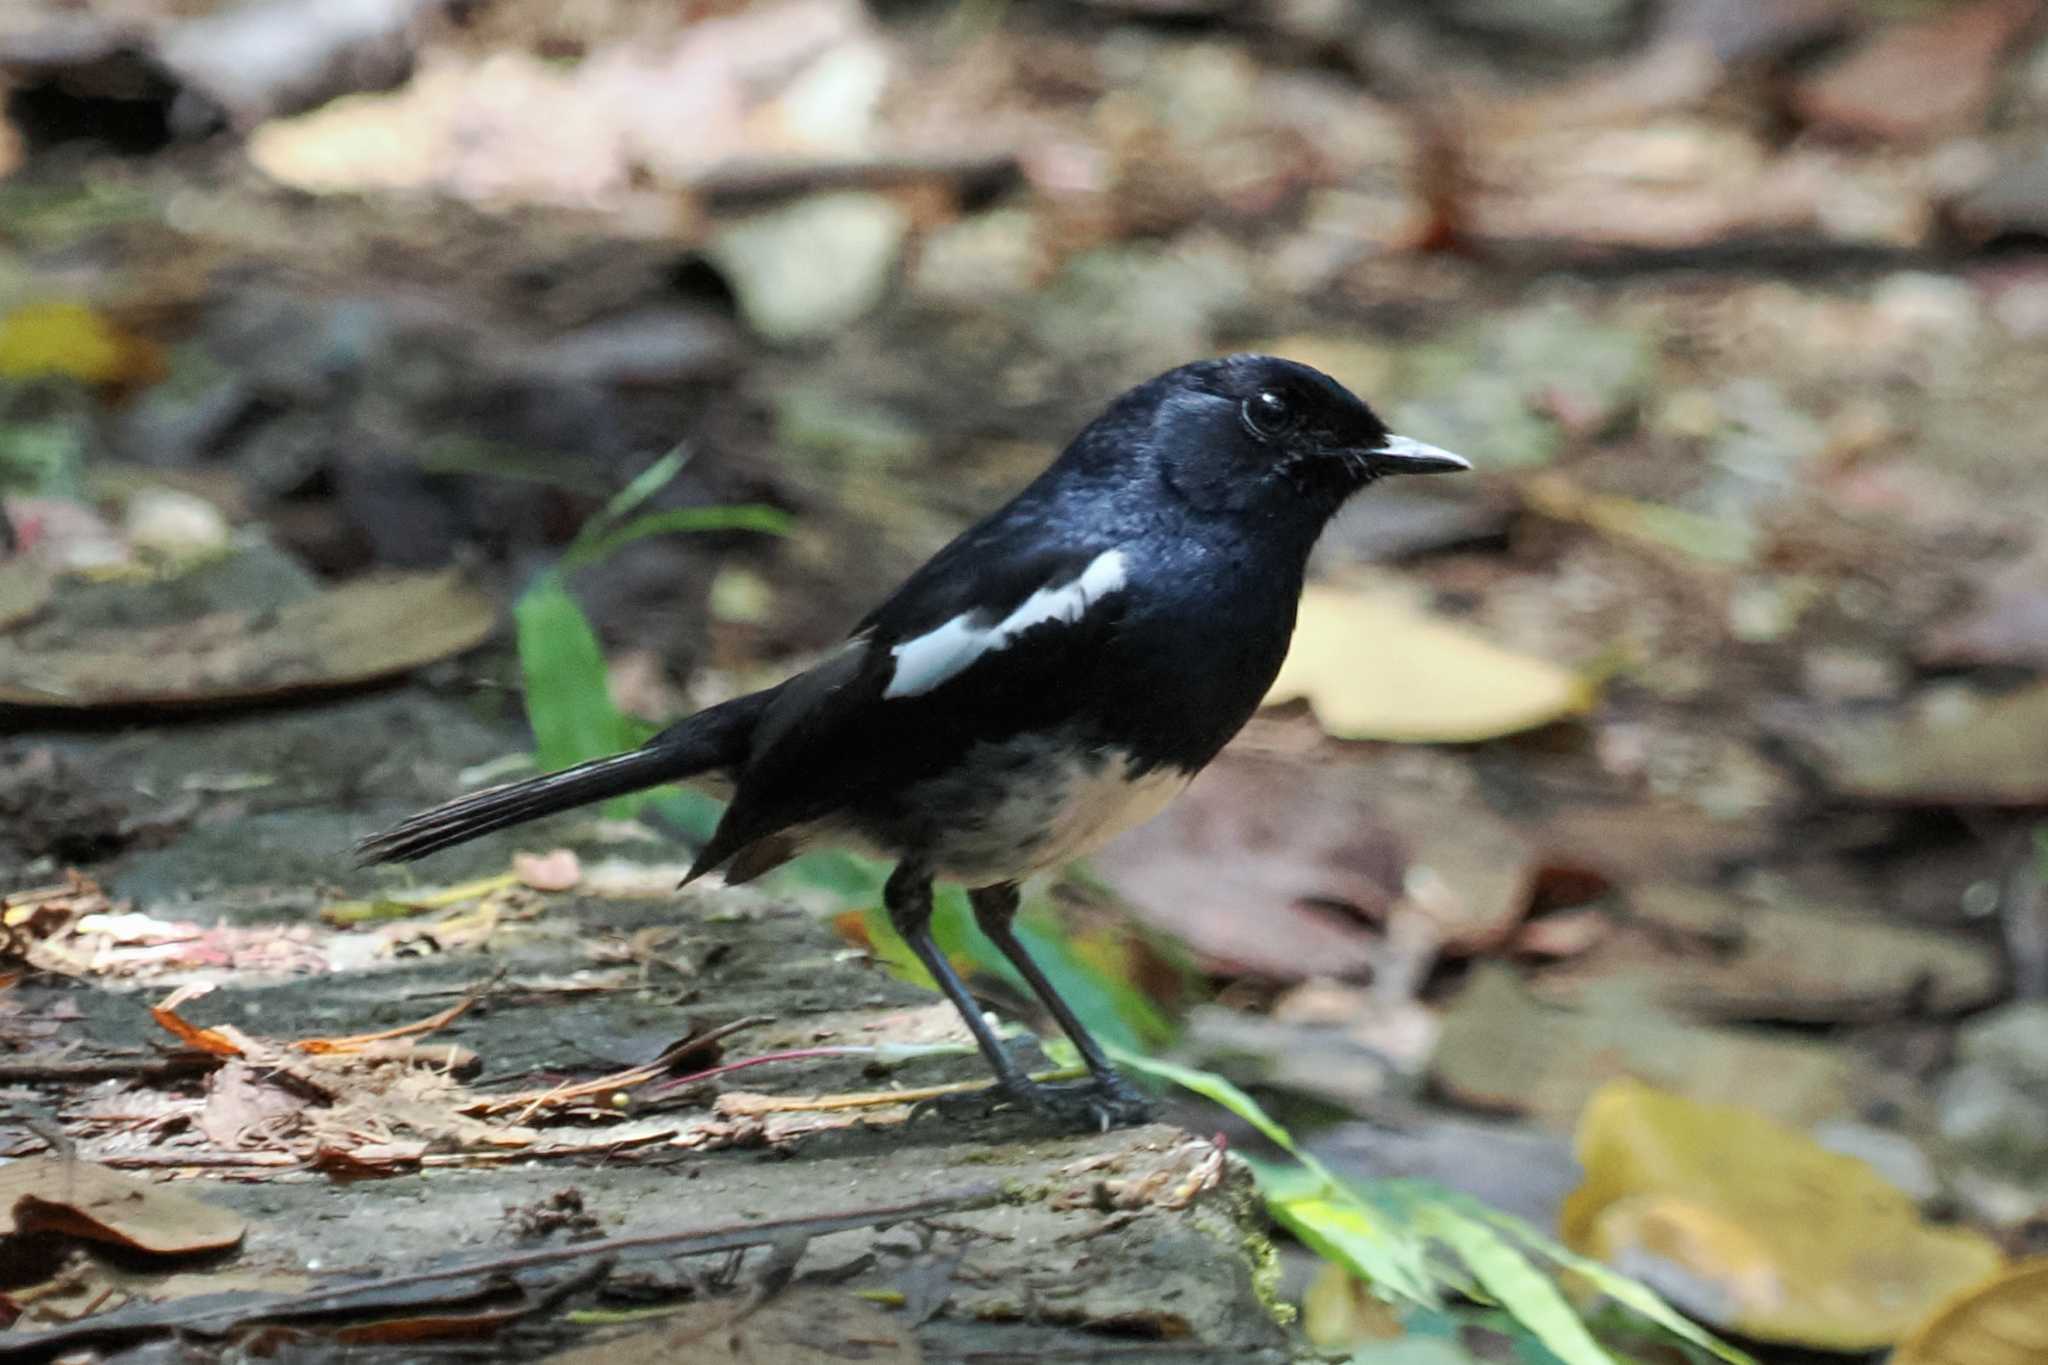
x=1096, y=1104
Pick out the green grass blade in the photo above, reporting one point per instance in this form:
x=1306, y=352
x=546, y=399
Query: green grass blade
x=1211, y=1087
x=766, y=520
x=1332, y=1222
x=567, y=700
x=1529, y=1296
x=645, y=485
x=1632, y=1294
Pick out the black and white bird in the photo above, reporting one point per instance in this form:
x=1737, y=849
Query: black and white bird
x=1049, y=679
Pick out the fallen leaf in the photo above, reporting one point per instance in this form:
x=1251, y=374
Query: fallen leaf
x=2001, y=1321
x=1713, y=540
x=243, y=1112
x=363, y=1042
x=65, y=337
x=1810, y=964
x=1755, y=1227
x=404, y=904
x=1980, y=753
x=1502, y=1049
x=367, y=630
x=1283, y=869
x=78, y=1198
x=1915, y=81
x=190, y=1034
x=2006, y=626
x=1372, y=665
x=805, y=1326
x=26, y=582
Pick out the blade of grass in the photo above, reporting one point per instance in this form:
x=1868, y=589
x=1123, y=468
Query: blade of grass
x=568, y=700
x=643, y=486
x=766, y=520
x=1529, y=1296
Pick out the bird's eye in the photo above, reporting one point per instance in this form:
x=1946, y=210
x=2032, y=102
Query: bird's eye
x=1268, y=414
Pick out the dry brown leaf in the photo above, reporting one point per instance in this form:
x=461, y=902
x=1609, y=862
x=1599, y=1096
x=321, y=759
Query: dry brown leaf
x=1283, y=868
x=188, y=1033
x=367, y=630
x=803, y=1327
x=1501, y=1049
x=1808, y=963
x=49, y=1194
x=1984, y=753
x=360, y=1042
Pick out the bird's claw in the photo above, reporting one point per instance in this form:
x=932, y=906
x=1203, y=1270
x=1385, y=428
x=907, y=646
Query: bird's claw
x=1095, y=1104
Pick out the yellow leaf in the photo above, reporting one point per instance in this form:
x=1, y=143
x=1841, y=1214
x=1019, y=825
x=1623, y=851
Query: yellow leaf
x=2003, y=1321
x=1755, y=1227
x=60, y=337
x=1374, y=666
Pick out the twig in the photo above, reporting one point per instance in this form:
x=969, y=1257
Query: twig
x=357, y=1041
x=528, y=1101
x=105, y=1069
x=750, y=1105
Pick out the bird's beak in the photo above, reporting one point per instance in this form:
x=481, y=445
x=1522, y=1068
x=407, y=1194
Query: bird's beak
x=1399, y=455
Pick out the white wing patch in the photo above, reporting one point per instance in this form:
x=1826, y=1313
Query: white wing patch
x=951, y=649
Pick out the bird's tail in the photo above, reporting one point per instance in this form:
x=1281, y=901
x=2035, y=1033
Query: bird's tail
x=711, y=741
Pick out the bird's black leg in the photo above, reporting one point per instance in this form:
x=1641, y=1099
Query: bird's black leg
x=1107, y=1098
x=908, y=898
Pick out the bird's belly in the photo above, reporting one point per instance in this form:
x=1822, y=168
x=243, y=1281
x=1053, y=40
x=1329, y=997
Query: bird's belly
x=1025, y=805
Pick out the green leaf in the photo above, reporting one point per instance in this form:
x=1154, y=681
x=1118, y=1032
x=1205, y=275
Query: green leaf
x=645, y=485
x=1324, y=1215
x=1114, y=1009
x=589, y=548
x=1528, y=1295
x=567, y=700
x=1630, y=1293
x=1210, y=1086
x=1339, y=1227
x=693, y=812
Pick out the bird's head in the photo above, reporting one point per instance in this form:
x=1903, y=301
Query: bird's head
x=1255, y=432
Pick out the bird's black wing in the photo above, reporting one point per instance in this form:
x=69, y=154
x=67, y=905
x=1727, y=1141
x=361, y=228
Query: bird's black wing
x=988, y=639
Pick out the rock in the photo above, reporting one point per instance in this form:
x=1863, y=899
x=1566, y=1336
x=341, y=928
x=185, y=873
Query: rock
x=2013, y=199
x=1561, y=25
x=1150, y=307
x=173, y=522
x=811, y=268
x=1510, y=392
x=645, y=348
x=1516, y=1169
x=2013, y=1041
x=2007, y=625
x=1841, y=673
x=1915, y=82
x=1995, y=1103
x=1916, y=306
x=1996, y=1120
x=986, y=257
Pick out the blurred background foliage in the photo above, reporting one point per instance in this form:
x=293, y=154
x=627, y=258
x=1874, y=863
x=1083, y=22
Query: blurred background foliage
x=1646, y=839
